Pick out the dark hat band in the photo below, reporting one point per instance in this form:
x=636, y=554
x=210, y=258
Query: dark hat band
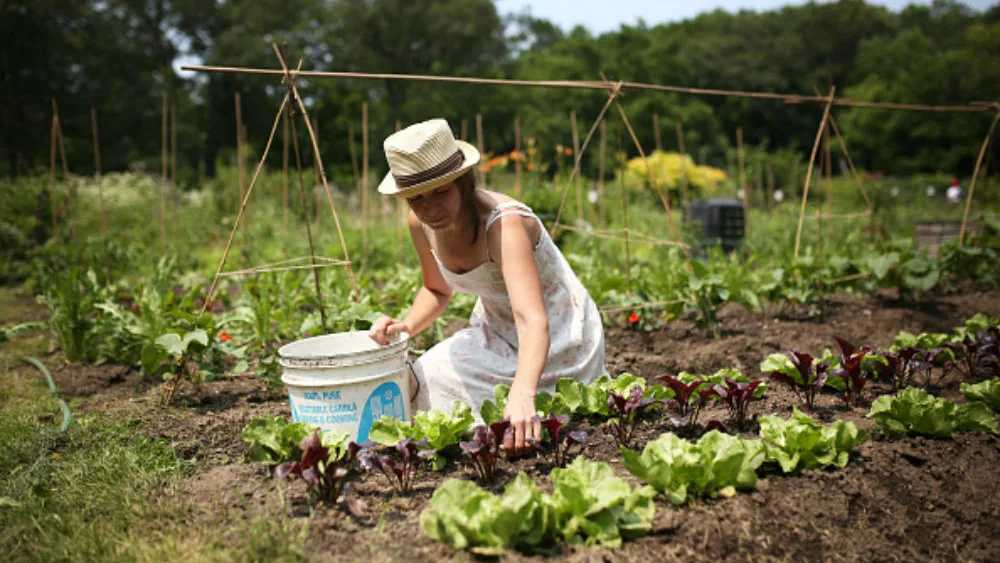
x=448, y=165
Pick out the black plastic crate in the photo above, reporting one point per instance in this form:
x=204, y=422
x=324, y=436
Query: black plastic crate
x=720, y=222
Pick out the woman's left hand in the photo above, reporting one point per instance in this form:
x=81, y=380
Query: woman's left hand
x=520, y=411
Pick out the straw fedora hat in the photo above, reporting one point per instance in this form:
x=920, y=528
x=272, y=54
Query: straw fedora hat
x=424, y=156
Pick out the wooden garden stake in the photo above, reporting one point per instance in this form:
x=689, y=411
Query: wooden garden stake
x=743, y=182
x=354, y=162
x=163, y=175
x=239, y=151
x=656, y=132
x=97, y=168
x=173, y=167
x=70, y=187
x=312, y=248
x=517, y=159
x=613, y=91
x=621, y=184
x=479, y=143
x=399, y=213
x=52, y=179
x=809, y=170
x=290, y=82
x=685, y=196
x=316, y=196
x=284, y=174
x=580, y=210
x=602, y=206
x=770, y=187
x=975, y=174
x=465, y=129
x=364, y=180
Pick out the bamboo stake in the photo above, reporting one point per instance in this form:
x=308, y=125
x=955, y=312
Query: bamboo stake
x=517, y=161
x=759, y=180
x=649, y=170
x=580, y=211
x=770, y=187
x=602, y=206
x=284, y=175
x=465, y=129
x=97, y=168
x=290, y=81
x=173, y=168
x=317, y=198
x=354, y=161
x=685, y=196
x=812, y=161
x=621, y=184
x=612, y=94
x=656, y=132
x=239, y=151
x=399, y=213
x=364, y=181
x=975, y=174
x=312, y=249
x=743, y=182
x=70, y=187
x=591, y=85
x=479, y=143
x=52, y=178
x=163, y=175
x=827, y=185
x=244, y=152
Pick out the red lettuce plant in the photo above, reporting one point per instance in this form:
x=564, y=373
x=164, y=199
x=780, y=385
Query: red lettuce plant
x=325, y=476
x=811, y=377
x=978, y=353
x=625, y=414
x=737, y=397
x=851, y=372
x=485, y=447
x=400, y=472
x=688, y=399
x=560, y=441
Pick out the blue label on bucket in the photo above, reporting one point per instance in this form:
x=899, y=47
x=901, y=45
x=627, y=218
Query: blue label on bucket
x=385, y=400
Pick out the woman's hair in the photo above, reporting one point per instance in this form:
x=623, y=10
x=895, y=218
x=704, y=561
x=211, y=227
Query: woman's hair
x=467, y=188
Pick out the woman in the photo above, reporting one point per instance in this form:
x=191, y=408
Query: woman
x=534, y=322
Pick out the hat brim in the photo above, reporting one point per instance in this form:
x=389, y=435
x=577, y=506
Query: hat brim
x=388, y=186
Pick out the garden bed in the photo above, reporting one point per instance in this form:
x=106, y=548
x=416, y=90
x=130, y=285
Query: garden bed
x=911, y=499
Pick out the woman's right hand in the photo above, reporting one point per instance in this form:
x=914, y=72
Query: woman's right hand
x=385, y=327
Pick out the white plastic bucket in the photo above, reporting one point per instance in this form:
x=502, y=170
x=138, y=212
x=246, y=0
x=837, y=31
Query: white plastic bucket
x=346, y=381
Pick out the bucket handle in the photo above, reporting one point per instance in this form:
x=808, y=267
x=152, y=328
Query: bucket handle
x=413, y=376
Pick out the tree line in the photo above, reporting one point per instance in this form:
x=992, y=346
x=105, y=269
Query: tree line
x=121, y=56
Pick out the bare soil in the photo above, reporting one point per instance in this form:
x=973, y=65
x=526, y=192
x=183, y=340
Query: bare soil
x=913, y=499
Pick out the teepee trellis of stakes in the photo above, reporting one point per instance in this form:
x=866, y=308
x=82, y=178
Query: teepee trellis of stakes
x=314, y=262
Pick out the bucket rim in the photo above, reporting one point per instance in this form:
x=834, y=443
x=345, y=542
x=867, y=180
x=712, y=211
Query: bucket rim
x=382, y=353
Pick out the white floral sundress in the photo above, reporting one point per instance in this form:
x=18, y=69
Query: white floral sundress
x=468, y=365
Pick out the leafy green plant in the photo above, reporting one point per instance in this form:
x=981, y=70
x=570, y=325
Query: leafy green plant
x=802, y=443
x=400, y=470
x=914, y=411
x=440, y=429
x=987, y=392
x=717, y=465
x=707, y=293
x=70, y=296
x=625, y=413
x=324, y=472
x=271, y=439
x=589, y=505
x=800, y=371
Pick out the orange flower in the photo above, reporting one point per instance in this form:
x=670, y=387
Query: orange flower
x=568, y=151
x=224, y=337
x=633, y=318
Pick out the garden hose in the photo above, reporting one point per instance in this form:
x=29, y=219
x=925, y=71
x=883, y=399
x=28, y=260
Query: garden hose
x=67, y=415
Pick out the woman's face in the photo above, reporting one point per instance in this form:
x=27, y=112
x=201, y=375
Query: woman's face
x=439, y=208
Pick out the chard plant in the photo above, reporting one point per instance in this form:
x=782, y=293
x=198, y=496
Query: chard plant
x=625, y=413
x=800, y=372
x=979, y=353
x=485, y=448
x=561, y=440
x=802, y=443
x=324, y=472
x=441, y=430
x=915, y=411
x=399, y=471
x=688, y=399
x=851, y=372
x=737, y=397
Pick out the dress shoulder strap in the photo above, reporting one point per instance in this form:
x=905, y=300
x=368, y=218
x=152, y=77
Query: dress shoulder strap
x=508, y=208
